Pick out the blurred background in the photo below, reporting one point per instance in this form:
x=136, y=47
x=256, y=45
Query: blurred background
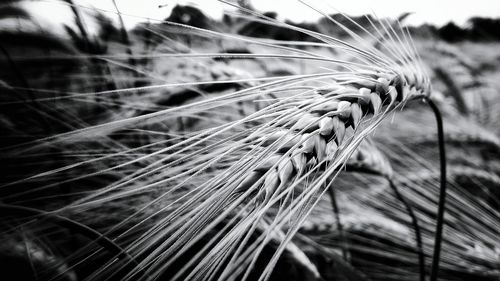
x=67, y=65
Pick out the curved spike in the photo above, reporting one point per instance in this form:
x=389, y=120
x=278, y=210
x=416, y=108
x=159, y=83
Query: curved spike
x=365, y=96
x=409, y=76
x=399, y=83
x=319, y=147
x=375, y=103
x=285, y=137
x=285, y=170
x=325, y=126
x=307, y=143
x=324, y=91
x=331, y=150
x=251, y=179
x=344, y=109
x=366, y=83
x=307, y=122
x=382, y=86
x=406, y=92
x=271, y=183
x=325, y=107
x=268, y=163
x=356, y=114
x=393, y=93
x=339, y=129
x=347, y=90
x=413, y=92
x=299, y=161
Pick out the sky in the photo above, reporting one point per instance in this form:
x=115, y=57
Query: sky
x=437, y=12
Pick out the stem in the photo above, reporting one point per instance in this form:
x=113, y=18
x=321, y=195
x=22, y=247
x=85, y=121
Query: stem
x=416, y=228
x=86, y=231
x=333, y=200
x=438, y=239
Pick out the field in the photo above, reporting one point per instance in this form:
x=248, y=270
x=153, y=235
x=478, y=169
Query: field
x=193, y=149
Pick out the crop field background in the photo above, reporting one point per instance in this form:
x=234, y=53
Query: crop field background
x=247, y=147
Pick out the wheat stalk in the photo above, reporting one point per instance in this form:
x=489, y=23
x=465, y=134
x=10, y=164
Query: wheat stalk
x=307, y=129
x=272, y=165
